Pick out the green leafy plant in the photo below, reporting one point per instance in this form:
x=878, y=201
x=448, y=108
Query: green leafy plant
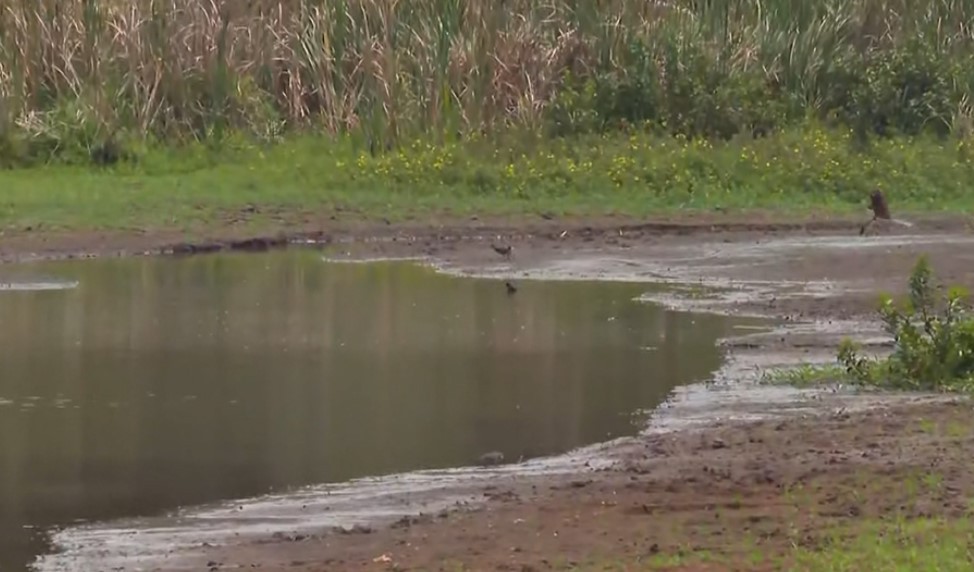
x=933, y=340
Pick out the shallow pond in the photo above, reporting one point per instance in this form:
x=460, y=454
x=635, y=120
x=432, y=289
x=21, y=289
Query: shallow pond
x=163, y=382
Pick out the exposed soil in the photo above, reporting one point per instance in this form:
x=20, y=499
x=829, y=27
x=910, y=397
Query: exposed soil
x=718, y=487
x=768, y=484
x=430, y=237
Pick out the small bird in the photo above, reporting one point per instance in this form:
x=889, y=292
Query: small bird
x=504, y=251
x=880, y=209
x=511, y=288
x=878, y=205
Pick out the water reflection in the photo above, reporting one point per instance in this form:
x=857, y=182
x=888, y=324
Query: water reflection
x=163, y=382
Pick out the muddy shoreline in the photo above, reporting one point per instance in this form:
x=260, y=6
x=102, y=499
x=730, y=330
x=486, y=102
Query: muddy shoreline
x=816, y=279
x=432, y=237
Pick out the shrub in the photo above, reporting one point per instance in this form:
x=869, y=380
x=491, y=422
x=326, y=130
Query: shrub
x=693, y=91
x=684, y=90
x=933, y=340
x=906, y=90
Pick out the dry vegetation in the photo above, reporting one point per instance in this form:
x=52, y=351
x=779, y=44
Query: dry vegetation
x=190, y=69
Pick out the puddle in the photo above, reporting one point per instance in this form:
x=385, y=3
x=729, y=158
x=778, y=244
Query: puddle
x=185, y=382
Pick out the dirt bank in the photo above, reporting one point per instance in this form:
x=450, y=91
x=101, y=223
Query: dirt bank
x=719, y=493
x=719, y=470
x=433, y=236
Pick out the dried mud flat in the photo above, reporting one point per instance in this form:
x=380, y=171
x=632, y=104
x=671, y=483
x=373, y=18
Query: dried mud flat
x=719, y=470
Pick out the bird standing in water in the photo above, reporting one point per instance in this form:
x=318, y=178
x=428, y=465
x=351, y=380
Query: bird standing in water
x=504, y=251
x=511, y=288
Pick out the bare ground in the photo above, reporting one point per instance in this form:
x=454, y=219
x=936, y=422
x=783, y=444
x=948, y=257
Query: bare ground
x=721, y=473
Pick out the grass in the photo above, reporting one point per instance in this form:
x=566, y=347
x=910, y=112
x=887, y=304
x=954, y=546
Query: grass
x=805, y=375
x=899, y=541
x=79, y=76
x=867, y=545
x=806, y=170
x=442, y=107
x=401, y=109
x=904, y=545
x=872, y=545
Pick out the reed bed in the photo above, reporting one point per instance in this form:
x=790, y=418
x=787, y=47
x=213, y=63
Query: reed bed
x=193, y=69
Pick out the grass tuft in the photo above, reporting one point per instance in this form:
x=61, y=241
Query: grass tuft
x=808, y=170
x=805, y=375
x=905, y=544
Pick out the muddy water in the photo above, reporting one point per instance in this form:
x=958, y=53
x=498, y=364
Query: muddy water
x=142, y=385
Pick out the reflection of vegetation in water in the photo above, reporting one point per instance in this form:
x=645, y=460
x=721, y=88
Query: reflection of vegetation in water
x=933, y=344
x=258, y=372
x=252, y=372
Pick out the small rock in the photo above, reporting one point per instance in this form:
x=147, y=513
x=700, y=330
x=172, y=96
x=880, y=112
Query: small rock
x=492, y=458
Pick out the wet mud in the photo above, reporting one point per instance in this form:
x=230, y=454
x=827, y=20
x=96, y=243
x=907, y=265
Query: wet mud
x=632, y=499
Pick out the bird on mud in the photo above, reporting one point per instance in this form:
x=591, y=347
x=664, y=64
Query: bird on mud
x=878, y=205
x=504, y=251
x=880, y=210
x=511, y=288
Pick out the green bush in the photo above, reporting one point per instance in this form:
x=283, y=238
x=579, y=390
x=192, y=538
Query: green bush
x=933, y=340
x=907, y=90
x=684, y=88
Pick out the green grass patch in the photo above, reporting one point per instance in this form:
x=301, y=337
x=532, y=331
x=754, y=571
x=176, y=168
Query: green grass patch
x=805, y=170
x=904, y=545
x=805, y=375
x=871, y=545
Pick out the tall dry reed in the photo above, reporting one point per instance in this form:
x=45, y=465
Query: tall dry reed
x=187, y=68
